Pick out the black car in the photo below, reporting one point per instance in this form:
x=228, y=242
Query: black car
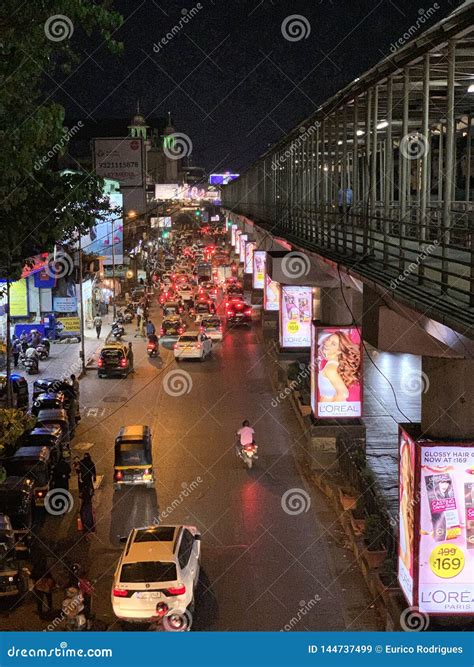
x=19, y=391
x=238, y=312
x=17, y=501
x=51, y=437
x=113, y=360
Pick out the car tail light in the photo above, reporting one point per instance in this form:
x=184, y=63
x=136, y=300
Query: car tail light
x=177, y=590
x=118, y=474
x=146, y=471
x=248, y=311
x=180, y=330
x=123, y=362
x=162, y=332
x=230, y=313
x=199, y=345
x=175, y=346
x=100, y=362
x=120, y=593
x=40, y=494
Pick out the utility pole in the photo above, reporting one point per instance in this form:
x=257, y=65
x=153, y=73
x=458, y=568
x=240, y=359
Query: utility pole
x=9, y=359
x=113, y=272
x=82, y=352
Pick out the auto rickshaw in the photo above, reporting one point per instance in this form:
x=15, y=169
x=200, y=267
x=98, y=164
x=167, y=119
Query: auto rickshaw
x=17, y=502
x=133, y=464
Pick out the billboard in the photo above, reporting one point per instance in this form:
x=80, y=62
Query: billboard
x=445, y=563
x=238, y=234
x=271, y=294
x=222, y=179
x=120, y=159
x=18, y=298
x=166, y=191
x=65, y=304
x=243, y=239
x=406, y=520
x=259, y=260
x=337, y=358
x=249, y=250
x=233, y=230
x=100, y=241
x=295, y=316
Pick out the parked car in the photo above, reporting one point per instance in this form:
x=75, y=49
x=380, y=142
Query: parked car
x=20, y=394
x=57, y=419
x=17, y=501
x=35, y=463
x=51, y=436
x=157, y=571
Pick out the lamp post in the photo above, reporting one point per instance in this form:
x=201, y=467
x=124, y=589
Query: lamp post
x=113, y=273
x=82, y=352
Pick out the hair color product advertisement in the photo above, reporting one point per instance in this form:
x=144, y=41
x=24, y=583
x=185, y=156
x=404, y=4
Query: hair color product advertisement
x=233, y=229
x=243, y=240
x=249, y=250
x=337, y=355
x=295, y=316
x=259, y=265
x=271, y=294
x=407, y=505
x=238, y=234
x=446, y=531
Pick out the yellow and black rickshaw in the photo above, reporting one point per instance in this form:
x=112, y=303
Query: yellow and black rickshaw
x=133, y=463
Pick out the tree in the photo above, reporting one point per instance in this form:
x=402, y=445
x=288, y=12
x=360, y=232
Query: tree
x=40, y=205
x=13, y=423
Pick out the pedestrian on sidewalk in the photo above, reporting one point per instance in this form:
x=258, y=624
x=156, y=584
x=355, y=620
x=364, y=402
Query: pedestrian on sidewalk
x=98, y=325
x=139, y=315
x=16, y=349
x=87, y=472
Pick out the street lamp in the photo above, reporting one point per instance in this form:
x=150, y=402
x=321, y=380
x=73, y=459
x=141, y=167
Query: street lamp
x=113, y=273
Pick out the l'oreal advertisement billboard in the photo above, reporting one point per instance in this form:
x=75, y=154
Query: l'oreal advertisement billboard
x=249, y=250
x=233, y=229
x=259, y=260
x=436, y=525
x=101, y=239
x=243, y=240
x=295, y=316
x=238, y=234
x=338, y=380
x=271, y=294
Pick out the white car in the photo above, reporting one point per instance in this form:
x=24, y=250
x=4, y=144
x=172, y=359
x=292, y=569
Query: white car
x=212, y=327
x=185, y=292
x=157, y=573
x=166, y=279
x=192, y=345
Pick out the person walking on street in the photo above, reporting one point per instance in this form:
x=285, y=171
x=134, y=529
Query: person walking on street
x=43, y=586
x=150, y=328
x=61, y=474
x=98, y=325
x=86, y=511
x=130, y=357
x=75, y=385
x=139, y=315
x=87, y=473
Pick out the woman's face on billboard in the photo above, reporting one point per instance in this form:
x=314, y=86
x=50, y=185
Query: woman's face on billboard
x=331, y=346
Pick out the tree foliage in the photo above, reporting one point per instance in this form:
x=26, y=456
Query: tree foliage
x=39, y=205
x=13, y=423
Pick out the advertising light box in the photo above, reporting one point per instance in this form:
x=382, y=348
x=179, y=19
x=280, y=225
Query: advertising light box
x=243, y=239
x=233, y=230
x=249, y=250
x=271, y=294
x=295, y=316
x=338, y=379
x=238, y=234
x=259, y=259
x=120, y=159
x=436, y=524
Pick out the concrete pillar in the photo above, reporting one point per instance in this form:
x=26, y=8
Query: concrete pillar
x=446, y=399
x=333, y=305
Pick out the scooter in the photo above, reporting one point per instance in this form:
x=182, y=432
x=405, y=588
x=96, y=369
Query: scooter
x=248, y=454
x=43, y=351
x=152, y=348
x=30, y=364
x=124, y=317
x=117, y=331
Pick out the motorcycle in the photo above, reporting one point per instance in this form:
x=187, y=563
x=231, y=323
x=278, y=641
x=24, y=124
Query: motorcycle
x=248, y=454
x=30, y=364
x=43, y=351
x=117, y=331
x=152, y=348
x=124, y=317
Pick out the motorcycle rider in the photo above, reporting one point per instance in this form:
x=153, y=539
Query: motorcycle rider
x=32, y=354
x=246, y=436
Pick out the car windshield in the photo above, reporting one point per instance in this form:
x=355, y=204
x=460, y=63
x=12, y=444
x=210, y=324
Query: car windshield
x=147, y=572
x=202, y=308
x=112, y=354
x=131, y=453
x=211, y=324
x=188, y=339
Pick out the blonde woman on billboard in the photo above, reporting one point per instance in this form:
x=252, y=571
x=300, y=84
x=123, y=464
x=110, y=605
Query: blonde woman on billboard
x=407, y=511
x=341, y=368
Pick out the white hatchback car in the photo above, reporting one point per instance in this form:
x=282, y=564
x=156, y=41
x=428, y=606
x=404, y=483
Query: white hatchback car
x=192, y=345
x=157, y=573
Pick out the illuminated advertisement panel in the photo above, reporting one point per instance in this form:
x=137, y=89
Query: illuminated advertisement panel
x=271, y=294
x=243, y=239
x=337, y=356
x=406, y=518
x=249, y=250
x=233, y=230
x=100, y=239
x=238, y=234
x=295, y=316
x=259, y=261
x=445, y=566
x=120, y=159
x=19, y=298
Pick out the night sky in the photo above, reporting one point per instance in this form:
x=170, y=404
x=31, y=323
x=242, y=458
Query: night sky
x=231, y=80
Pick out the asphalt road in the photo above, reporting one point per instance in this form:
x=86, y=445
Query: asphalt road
x=267, y=563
